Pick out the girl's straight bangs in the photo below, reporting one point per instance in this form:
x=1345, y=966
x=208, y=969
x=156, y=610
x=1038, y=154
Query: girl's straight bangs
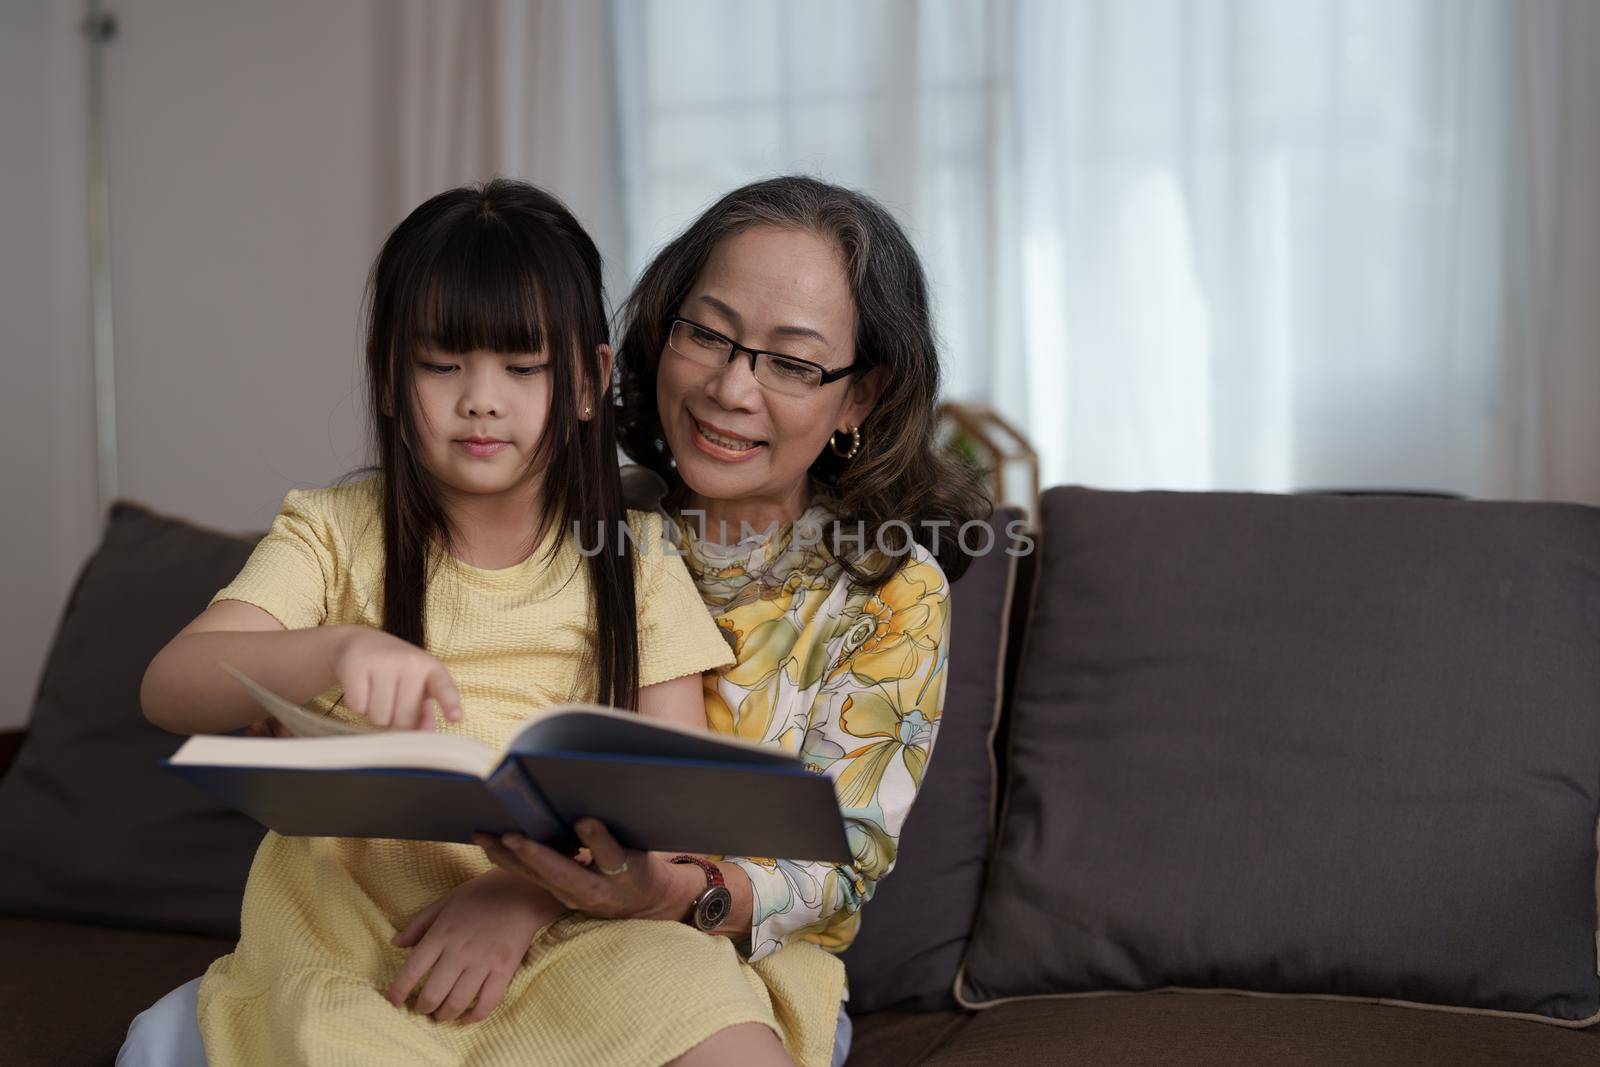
x=481, y=294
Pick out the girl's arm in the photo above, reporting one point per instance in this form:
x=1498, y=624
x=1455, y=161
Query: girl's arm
x=184, y=690
x=681, y=701
x=385, y=678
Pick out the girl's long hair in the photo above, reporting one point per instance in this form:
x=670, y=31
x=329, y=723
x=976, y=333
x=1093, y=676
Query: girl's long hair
x=504, y=267
x=901, y=474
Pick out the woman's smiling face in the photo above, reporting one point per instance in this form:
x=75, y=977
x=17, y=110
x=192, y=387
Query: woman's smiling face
x=779, y=290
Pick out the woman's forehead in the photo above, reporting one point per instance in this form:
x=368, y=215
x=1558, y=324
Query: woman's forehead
x=777, y=281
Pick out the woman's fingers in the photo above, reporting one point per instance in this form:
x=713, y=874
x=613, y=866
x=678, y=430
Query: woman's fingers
x=607, y=854
x=502, y=857
x=462, y=994
x=411, y=972
x=575, y=886
x=494, y=987
x=418, y=926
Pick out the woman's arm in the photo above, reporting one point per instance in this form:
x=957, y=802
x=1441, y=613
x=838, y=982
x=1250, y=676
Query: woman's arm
x=872, y=726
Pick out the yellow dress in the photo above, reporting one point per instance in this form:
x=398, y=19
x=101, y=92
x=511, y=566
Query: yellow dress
x=305, y=983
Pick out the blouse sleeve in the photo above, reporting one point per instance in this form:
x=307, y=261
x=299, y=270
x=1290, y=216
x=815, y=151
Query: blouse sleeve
x=872, y=729
x=676, y=633
x=290, y=573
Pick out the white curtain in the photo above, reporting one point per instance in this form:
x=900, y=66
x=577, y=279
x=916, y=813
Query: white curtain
x=1256, y=244
x=522, y=88
x=1251, y=244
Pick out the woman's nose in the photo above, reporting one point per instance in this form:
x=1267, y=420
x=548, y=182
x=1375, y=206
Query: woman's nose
x=735, y=386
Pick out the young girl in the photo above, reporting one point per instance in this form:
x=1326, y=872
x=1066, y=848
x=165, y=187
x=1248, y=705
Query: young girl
x=446, y=592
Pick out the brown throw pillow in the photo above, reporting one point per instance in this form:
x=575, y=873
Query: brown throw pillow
x=1304, y=745
x=92, y=828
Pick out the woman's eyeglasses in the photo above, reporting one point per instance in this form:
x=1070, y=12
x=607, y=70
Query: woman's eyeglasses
x=788, y=375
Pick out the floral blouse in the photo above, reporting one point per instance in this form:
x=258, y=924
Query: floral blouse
x=850, y=678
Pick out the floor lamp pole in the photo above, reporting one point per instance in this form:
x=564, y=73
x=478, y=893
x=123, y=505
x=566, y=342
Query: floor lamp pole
x=100, y=26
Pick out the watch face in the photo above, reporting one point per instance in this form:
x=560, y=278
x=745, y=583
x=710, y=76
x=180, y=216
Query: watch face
x=711, y=910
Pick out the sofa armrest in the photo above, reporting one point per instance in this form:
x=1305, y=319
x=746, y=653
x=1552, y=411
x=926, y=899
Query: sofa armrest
x=10, y=743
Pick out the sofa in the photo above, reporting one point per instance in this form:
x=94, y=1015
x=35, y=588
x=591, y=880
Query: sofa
x=1221, y=778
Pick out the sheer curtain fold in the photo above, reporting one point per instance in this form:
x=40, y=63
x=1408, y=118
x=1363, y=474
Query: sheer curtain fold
x=1552, y=339
x=522, y=88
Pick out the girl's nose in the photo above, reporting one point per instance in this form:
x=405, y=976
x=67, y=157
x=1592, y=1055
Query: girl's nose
x=480, y=394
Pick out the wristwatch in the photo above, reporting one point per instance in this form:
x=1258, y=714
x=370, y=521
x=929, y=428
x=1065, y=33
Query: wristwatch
x=711, y=907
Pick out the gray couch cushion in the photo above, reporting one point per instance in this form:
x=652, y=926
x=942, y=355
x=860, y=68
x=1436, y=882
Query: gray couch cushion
x=91, y=826
x=914, y=929
x=1304, y=745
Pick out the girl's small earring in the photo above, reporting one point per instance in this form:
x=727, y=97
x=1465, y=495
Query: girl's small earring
x=855, y=443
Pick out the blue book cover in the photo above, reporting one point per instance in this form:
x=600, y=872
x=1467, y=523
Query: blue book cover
x=655, y=785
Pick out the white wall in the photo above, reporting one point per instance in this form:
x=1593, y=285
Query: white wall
x=244, y=158
x=48, y=514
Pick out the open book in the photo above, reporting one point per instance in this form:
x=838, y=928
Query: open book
x=653, y=784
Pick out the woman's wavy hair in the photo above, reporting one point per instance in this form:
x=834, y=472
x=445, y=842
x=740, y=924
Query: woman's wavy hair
x=504, y=267
x=900, y=473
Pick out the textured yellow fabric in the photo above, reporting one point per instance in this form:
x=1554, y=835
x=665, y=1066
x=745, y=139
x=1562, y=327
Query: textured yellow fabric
x=306, y=982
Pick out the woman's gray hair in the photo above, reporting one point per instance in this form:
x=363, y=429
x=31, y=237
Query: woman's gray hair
x=900, y=473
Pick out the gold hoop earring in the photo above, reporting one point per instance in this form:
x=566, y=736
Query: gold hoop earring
x=855, y=443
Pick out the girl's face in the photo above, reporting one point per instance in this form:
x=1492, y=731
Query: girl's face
x=480, y=415
x=779, y=290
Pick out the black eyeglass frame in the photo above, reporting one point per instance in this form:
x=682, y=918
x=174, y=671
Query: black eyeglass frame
x=827, y=375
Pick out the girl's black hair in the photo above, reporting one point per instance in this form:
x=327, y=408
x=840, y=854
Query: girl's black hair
x=504, y=267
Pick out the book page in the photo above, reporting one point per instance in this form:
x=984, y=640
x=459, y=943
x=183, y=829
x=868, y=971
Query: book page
x=297, y=720
x=409, y=749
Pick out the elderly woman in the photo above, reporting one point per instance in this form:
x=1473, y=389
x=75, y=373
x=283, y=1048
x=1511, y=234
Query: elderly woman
x=778, y=371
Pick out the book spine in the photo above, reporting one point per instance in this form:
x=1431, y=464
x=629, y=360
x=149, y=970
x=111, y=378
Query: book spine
x=527, y=806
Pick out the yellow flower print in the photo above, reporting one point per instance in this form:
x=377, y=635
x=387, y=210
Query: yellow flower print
x=903, y=732
x=718, y=715
x=749, y=722
x=755, y=715
x=893, y=634
x=761, y=650
x=718, y=585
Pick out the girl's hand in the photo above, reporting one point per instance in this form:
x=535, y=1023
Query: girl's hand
x=390, y=681
x=469, y=943
x=646, y=886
